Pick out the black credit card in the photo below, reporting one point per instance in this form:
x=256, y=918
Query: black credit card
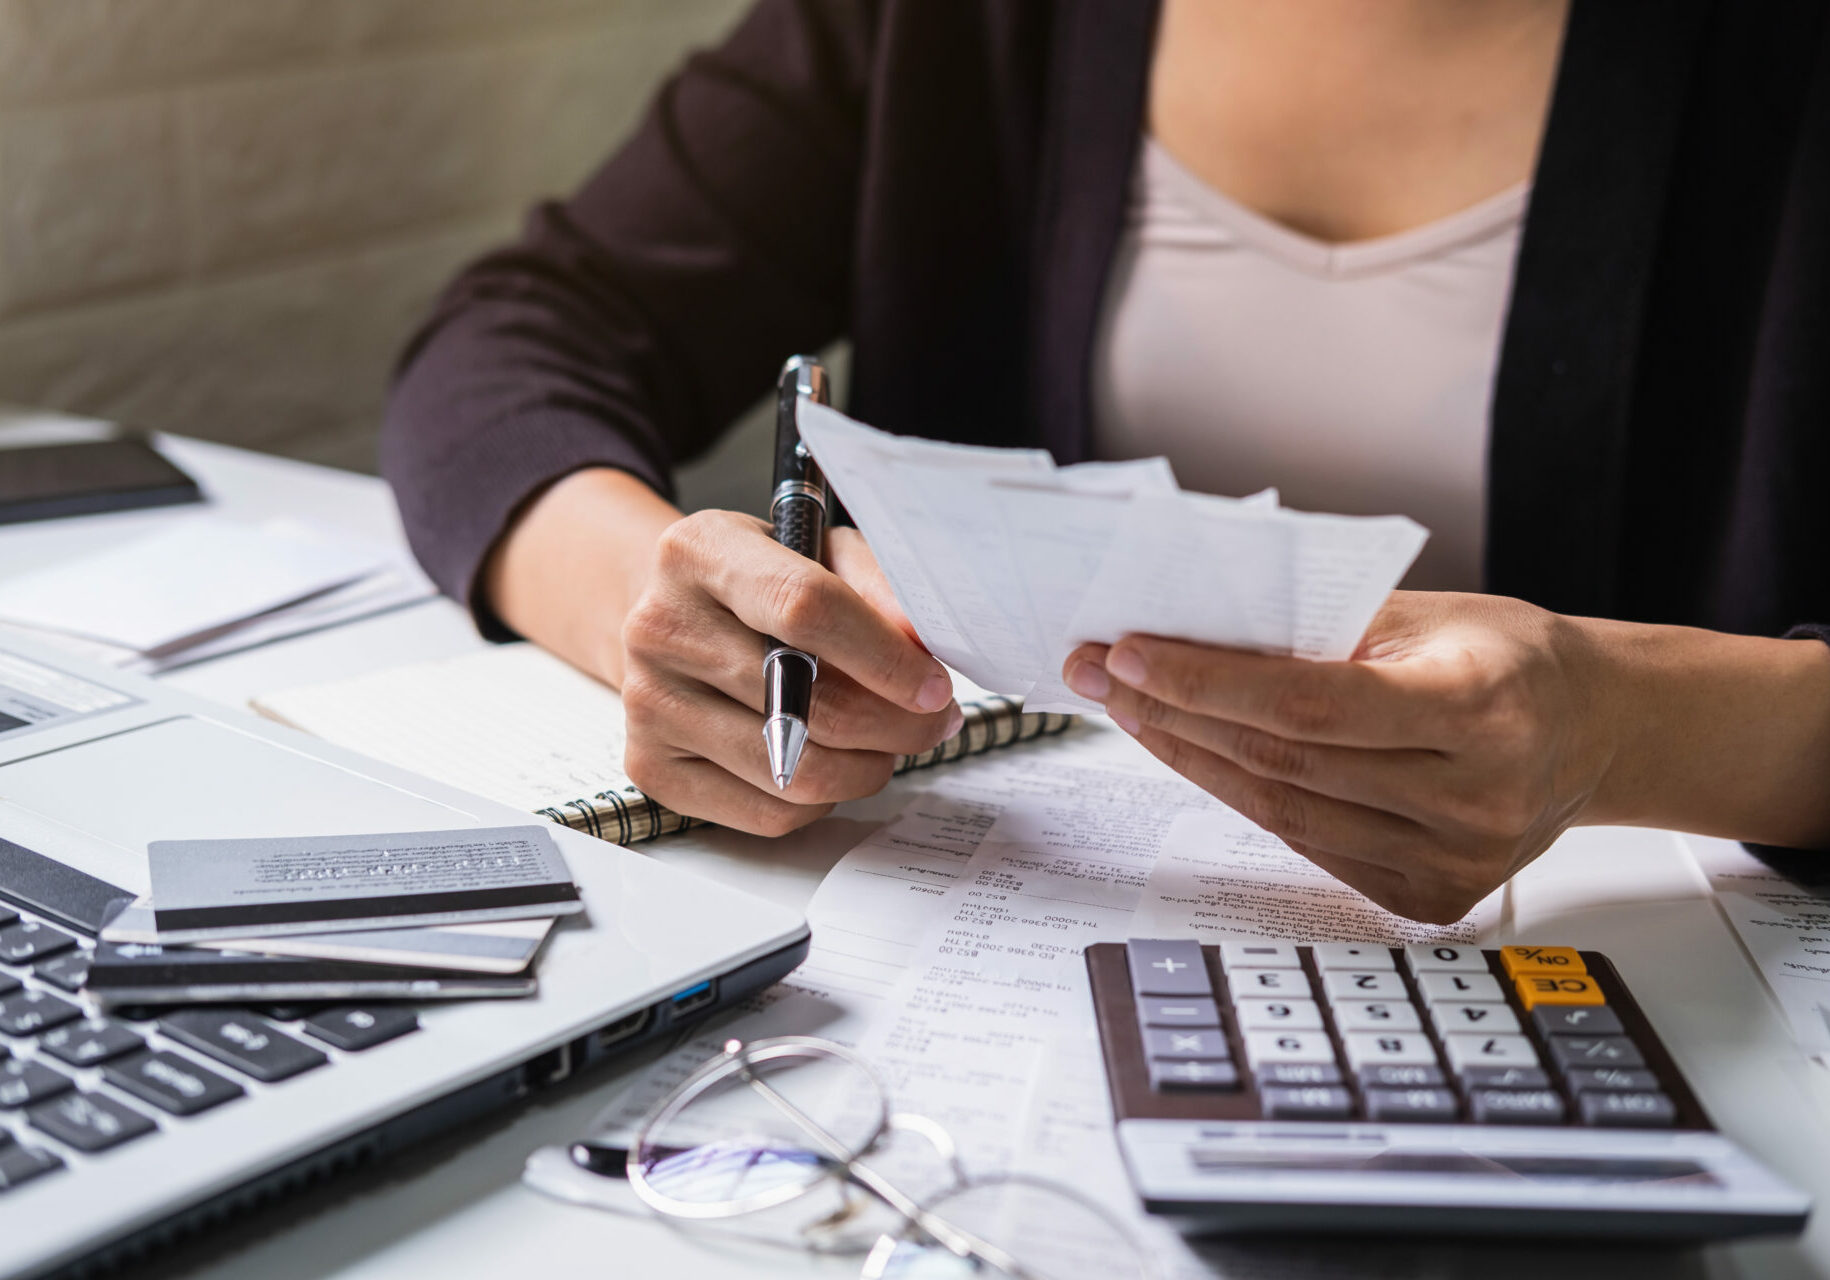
x=139, y=973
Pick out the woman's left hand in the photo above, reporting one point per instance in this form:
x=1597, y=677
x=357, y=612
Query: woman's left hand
x=1464, y=736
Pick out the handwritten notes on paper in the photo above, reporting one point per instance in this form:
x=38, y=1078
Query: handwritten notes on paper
x=1004, y=562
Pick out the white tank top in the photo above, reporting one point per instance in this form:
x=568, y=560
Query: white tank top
x=1352, y=377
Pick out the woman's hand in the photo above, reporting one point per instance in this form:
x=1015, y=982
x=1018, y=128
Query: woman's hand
x=693, y=686
x=1469, y=731
x=675, y=617
x=1466, y=734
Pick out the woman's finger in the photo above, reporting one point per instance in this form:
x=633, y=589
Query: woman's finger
x=1398, y=780
x=1351, y=704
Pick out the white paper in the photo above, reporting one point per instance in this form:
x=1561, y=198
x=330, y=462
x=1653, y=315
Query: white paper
x=1004, y=562
x=1220, y=876
x=1785, y=928
x=187, y=582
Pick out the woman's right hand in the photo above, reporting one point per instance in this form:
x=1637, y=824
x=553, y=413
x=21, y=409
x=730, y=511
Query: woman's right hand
x=710, y=587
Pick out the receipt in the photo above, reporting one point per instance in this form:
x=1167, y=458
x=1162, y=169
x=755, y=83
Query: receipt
x=1005, y=562
x=1785, y=927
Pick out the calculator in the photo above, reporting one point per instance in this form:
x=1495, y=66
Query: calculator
x=1353, y=1087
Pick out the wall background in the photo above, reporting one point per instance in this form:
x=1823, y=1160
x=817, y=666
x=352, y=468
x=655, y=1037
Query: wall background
x=223, y=217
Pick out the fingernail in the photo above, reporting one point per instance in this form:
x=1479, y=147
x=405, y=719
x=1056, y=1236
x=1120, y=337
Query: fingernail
x=1127, y=665
x=955, y=723
x=1125, y=722
x=936, y=692
x=1088, y=681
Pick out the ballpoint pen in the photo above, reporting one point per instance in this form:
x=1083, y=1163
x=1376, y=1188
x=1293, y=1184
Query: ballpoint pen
x=797, y=509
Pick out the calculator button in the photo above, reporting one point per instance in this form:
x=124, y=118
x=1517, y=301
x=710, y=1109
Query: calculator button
x=1351, y=955
x=1460, y=988
x=1585, y=1079
x=1399, y=1048
x=24, y=943
x=1288, y=1046
x=1363, y=984
x=1168, y=967
x=1619, y=1109
x=23, y=1083
x=171, y=1083
x=1515, y=1106
x=1305, y=1102
x=1376, y=1015
x=1195, y=1012
x=242, y=1041
x=1273, y=1015
x=1387, y=1076
x=26, y=1013
x=1247, y=983
x=1489, y=1051
x=1296, y=1073
x=22, y=1164
x=1577, y=988
x=1445, y=959
x=1518, y=961
x=1504, y=1078
x=1576, y=1019
x=1193, y=1075
x=1170, y=1043
x=93, y=1040
x=1594, y=1051
x=1258, y=955
x=1451, y=1017
x=89, y=1121
x=1412, y=1106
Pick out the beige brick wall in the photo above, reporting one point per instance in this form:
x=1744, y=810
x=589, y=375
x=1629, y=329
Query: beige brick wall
x=222, y=217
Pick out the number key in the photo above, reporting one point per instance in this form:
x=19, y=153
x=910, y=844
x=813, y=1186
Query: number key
x=1246, y=983
x=1467, y=1051
x=1364, y=984
x=1376, y=1015
x=1491, y=1018
x=1279, y=1015
x=1445, y=959
x=1459, y=987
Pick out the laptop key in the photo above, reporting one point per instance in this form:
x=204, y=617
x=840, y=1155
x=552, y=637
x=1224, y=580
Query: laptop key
x=89, y=1121
x=9, y=984
x=69, y=970
x=357, y=1029
x=21, y=1164
x=93, y=1040
x=24, y=943
x=7, y=916
x=26, y=1013
x=242, y=1041
x=24, y=1083
x=171, y=1082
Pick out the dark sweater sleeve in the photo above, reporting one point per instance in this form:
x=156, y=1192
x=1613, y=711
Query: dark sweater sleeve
x=634, y=321
x=1807, y=866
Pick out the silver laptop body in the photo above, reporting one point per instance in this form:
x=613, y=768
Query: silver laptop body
x=93, y=765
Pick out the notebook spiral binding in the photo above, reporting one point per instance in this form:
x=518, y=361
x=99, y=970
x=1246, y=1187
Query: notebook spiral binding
x=626, y=816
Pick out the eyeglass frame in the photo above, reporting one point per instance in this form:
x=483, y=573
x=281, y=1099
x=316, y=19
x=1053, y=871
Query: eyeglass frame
x=738, y=1057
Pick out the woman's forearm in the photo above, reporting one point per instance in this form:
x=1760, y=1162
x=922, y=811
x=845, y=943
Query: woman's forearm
x=573, y=563
x=1718, y=734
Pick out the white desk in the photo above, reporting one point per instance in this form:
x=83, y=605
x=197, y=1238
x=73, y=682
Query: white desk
x=460, y=1211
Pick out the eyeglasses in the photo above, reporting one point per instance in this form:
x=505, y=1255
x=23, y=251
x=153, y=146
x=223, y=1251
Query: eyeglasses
x=765, y=1124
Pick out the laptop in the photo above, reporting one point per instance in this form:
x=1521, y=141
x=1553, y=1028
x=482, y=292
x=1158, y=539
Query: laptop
x=125, y=1134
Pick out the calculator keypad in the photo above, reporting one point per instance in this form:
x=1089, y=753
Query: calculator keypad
x=1352, y=1031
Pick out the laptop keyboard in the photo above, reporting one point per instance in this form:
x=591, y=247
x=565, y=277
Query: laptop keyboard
x=74, y=1084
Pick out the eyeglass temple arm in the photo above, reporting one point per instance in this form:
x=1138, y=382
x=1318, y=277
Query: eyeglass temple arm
x=960, y=1242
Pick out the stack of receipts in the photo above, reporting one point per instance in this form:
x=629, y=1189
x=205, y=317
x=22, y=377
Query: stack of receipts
x=203, y=585
x=1005, y=562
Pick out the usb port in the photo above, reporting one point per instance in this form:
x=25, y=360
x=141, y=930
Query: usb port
x=693, y=999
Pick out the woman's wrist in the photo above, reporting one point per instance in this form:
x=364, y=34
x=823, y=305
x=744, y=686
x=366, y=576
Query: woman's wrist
x=1709, y=732
x=573, y=562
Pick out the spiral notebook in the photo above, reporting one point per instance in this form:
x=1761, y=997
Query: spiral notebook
x=519, y=726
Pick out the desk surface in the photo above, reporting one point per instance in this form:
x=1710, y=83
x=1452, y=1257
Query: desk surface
x=459, y=1210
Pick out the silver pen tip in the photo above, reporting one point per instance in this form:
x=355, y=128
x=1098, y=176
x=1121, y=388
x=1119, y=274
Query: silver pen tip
x=785, y=737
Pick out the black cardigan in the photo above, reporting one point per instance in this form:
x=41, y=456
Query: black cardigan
x=943, y=182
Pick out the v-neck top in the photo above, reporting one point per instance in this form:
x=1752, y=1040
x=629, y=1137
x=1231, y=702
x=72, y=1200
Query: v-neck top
x=1353, y=377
